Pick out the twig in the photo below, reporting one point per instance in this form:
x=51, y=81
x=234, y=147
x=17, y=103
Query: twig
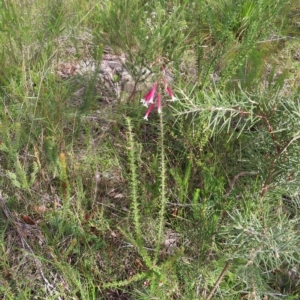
x=227, y=265
x=235, y=178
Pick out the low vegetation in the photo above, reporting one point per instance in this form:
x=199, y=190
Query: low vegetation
x=191, y=193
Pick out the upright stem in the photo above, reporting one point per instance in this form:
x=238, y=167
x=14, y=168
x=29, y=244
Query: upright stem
x=163, y=191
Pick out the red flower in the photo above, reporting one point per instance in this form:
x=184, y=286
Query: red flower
x=149, y=111
x=148, y=98
x=173, y=98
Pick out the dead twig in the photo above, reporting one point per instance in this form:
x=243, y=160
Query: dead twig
x=235, y=178
x=227, y=265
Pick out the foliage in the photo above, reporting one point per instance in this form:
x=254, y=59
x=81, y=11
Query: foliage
x=199, y=202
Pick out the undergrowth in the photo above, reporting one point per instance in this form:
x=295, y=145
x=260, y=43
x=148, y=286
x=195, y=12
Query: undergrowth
x=199, y=201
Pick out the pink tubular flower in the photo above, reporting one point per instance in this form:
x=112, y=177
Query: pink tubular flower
x=149, y=111
x=173, y=98
x=159, y=103
x=148, y=98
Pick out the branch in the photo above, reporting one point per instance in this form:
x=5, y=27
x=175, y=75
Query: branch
x=227, y=265
x=235, y=178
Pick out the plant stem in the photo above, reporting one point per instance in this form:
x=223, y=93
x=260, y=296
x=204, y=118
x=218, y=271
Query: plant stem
x=227, y=265
x=163, y=191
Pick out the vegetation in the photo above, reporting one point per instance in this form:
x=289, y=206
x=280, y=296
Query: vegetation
x=200, y=201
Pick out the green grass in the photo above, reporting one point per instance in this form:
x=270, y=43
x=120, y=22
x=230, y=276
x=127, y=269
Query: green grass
x=199, y=202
